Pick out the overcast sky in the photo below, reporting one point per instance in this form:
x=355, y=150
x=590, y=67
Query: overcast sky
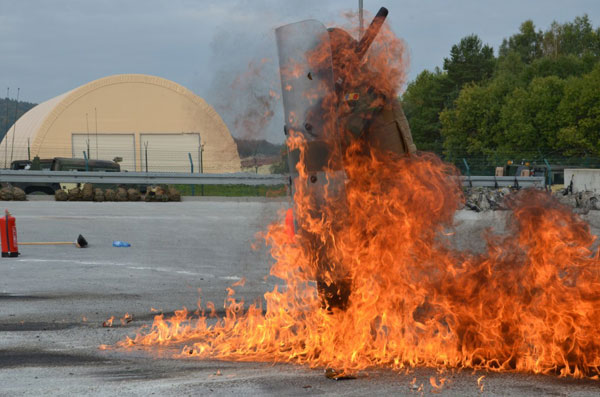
x=48, y=47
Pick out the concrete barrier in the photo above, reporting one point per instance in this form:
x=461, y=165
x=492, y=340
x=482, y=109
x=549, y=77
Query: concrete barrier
x=583, y=179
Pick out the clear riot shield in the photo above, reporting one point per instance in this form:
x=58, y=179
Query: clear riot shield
x=305, y=88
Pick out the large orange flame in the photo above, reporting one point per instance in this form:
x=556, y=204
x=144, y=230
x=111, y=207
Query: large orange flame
x=531, y=303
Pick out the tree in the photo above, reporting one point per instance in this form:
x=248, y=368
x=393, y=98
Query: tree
x=578, y=37
x=527, y=43
x=540, y=97
x=530, y=118
x=470, y=62
x=580, y=113
x=7, y=108
x=423, y=101
x=563, y=66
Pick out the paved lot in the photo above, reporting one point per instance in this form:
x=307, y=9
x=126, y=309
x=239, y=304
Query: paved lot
x=53, y=300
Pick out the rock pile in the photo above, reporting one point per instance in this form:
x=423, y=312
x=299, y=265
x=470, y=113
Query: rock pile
x=89, y=193
x=485, y=199
x=582, y=202
x=12, y=193
x=156, y=193
x=98, y=195
x=61, y=195
x=489, y=199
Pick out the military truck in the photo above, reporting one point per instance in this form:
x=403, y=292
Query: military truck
x=59, y=164
x=553, y=173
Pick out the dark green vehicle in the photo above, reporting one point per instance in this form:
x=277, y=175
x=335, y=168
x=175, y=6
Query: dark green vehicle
x=59, y=164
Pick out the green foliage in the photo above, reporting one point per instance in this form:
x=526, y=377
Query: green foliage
x=472, y=126
x=529, y=118
x=580, y=114
x=8, y=108
x=232, y=190
x=470, y=62
x=550, y=115
x=527, y=44
x=423, y=101
x=431, y=93
x=539, y=99
x=577, y=38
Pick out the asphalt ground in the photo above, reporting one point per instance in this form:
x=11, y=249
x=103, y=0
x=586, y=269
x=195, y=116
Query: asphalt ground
x=54, y=300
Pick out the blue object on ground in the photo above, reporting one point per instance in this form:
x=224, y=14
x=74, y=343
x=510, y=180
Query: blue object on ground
x=118, y=243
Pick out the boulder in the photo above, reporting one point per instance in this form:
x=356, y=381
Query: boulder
x=121, y=194
x=151, y=193
x=61, y=195
x=6, y=193
x=569, y=200
x=109, y=195
x=18, y=194
x=98, y=195
x=173, y=194
x=87, y=192
x=133, y=194
x=74, y=194
x=483, y=202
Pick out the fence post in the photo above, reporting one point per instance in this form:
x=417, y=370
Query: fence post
x=146, y=154
x=550, y=178
x=191, y=170
x=468, y=171
x=202, y=166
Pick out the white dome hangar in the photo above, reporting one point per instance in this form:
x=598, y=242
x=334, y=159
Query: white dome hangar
x=142, y=119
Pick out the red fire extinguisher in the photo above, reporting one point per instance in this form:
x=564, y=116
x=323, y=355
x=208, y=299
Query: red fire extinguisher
x=8, y=232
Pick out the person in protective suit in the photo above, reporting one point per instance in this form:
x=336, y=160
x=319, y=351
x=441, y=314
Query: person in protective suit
x=363, y=113
x=379, y=122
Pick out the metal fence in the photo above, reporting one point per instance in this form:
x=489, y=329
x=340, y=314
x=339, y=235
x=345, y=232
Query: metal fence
x=518, y=182
x=142, y=178
x=178, y=178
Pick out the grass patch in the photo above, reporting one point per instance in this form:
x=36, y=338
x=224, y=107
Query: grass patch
x=232, y=190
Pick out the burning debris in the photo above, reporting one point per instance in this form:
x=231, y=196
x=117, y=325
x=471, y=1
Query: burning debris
x=108, y=323
x=127, y=318
x=368, y=281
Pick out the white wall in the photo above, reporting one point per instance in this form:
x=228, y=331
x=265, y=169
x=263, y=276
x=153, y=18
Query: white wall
x=584, y=179
x=106, y=147
x=168, y=152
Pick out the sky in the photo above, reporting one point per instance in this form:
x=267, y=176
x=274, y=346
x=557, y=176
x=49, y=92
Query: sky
x=225, y=51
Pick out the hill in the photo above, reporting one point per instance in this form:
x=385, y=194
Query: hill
x=7, y=108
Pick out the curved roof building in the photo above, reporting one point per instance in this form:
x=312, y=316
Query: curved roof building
x=151, y=123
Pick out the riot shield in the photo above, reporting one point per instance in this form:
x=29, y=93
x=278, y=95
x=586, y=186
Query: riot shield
x=307, y=87
x=310, y=109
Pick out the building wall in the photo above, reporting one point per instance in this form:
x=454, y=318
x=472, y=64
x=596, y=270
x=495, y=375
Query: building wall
x=135, y=105
x=584, y=179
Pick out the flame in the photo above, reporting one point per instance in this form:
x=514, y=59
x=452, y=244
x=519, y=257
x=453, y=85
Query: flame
x=127, y=318
x=530, y=303
x=434, y=383
x=109, y=322
x=480, y=383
